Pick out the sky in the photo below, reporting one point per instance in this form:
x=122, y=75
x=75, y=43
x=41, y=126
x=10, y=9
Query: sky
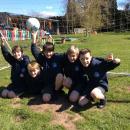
x=121, y=3
x=41, y=8
x=34, y=7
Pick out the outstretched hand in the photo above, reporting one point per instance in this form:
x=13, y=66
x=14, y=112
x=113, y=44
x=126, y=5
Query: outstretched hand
x=2, y=40
x=34, y=36
x=110, y=57
x=117, y=60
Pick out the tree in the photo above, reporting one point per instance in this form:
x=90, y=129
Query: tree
x=72, y=15
x=91, y=14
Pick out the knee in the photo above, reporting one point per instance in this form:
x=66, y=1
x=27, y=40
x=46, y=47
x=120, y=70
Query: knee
x=59, y=81
x=74, y=96
x=83, y=101
x=46, y=97
x=12, y=94
x=4, y=93
x=97, y=95
x=67, y=82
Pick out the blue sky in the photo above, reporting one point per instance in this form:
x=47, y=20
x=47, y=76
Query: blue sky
x=35, y=7
x=40, y=8
x=121, y=3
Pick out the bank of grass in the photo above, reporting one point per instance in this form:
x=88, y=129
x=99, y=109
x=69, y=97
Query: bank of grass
x=116, y=114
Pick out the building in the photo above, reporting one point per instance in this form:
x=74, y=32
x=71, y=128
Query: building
x=10, y=20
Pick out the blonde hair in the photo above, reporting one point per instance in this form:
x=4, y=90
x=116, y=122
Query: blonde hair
x=73, y=49
x=33, y=65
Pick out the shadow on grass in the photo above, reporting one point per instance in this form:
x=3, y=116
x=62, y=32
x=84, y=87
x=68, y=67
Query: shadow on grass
x=127, y=38
x=64, y=103
x=58, y=42
x=34, y=99
x=119, y=101
x=61, y=99
x=1, y=89
x=77, y=108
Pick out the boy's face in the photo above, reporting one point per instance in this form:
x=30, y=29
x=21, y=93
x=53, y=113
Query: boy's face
x=33, y=73
x=48, y=54
x=72, y=57
x=17, y=55
x=85, y=59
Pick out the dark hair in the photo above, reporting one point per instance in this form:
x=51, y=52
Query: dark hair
x=17, y=48
x=48, y=46
x=84, y=51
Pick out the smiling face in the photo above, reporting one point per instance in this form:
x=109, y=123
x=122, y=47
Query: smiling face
x=33, y=69
x=17, y=55
x=73, y=53
x=85, y=58
x=48, y=54
x=48, y=50
x=17, y=52
x=34, y=72
x=72, y=57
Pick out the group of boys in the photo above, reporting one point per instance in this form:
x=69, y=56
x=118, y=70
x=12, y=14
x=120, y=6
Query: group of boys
x=85, y=76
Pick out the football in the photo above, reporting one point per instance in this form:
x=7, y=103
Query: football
x=33, y=24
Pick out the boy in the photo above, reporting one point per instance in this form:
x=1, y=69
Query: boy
x=95, y=76
x=51, y=64
x=18, y=62
x=33, y=79
x=72, y=73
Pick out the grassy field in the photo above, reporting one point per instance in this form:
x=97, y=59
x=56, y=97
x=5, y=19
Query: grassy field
x=23, y=115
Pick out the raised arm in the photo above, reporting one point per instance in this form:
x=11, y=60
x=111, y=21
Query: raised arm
x=6, y=53
x=111, y=62
x=34, y=49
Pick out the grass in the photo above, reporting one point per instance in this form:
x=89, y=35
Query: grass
x=116, y=114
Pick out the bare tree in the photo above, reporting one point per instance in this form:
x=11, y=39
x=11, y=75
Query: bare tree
x=91, y=14
x=72, y=15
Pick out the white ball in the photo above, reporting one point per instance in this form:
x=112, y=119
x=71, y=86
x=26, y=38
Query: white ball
x=33, y=24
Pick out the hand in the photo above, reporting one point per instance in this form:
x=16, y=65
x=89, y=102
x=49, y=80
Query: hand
x=2, y=40
x=117, y=60
x=110, y=57
x=34, y=36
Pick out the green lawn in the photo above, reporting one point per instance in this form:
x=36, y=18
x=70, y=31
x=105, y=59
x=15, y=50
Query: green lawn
x=18, y=115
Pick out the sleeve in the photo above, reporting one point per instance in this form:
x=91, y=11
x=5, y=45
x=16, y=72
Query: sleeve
x=35, y=51
x=37, y=54
x=24, y=66
x=26, y=60
x=110, y=65
x=8, y=57
x=63, y=59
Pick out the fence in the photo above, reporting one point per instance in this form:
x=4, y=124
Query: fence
x=15, y=35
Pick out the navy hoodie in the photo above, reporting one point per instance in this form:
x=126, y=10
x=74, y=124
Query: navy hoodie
x=96, y=73
x=18, y=67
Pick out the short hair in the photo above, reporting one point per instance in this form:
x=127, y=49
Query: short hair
x=17, y=49
x=84, y=51
x=48, y=46
x=73, y=49
x=33, y=65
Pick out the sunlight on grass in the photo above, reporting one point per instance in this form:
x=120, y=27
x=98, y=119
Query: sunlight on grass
x=116, y=114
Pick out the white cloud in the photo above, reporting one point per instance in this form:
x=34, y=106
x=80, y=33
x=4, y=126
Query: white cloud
x=121, y=5
x=49, y=7
x=120, y=8
x=43, y=14
x=25, y=12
